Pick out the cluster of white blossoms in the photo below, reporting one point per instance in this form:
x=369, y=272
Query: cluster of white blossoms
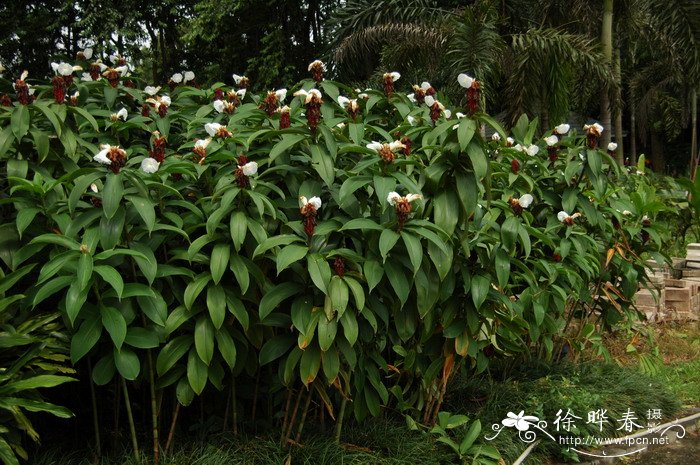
x=183, y=78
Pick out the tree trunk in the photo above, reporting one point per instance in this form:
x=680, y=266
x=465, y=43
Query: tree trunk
x=694, y=155
x=620, y=154
x=606, y=43
x=657, y=152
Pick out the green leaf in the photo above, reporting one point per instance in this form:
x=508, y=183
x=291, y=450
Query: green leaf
x=382, y=186
x=275, y=348
x=195, y=288
x=399, y=282
x=287, y=142
x=387, y=240
x=415, y=251
x=127, y=363
x=111, y=277
x=350, y=327
x=509, y=232
x=478, y=159
x=113, y=321
x=147, y=265
x=85, y=338
x=290, y=254
x=357, y=292
x=112, y=194
x=502, y=267
x=319, y=271
x=111, y=229
x=238, y=228
x=373, y=273
x=339, y=295
x=276, y=295
x=104, y=370
x=465, y=132
x=326, y=333
x=227, y=347
x=357, y=132
x=275, y=241
x=75, y=299
x=145, y=209
x=142, y=338
x=50, y=288
x=41, y=142
x=204, y=339
x=323, y=164
x=446, y=210
x=480, y=288
x=197, y=372
x=310, y=364
x=216, y=303
x=84, y=271
x=219, y=261
x=240, y=271
x=172, y=352
x=56, y=239
x=20, y=121
x=50, y=115
x=361, y=223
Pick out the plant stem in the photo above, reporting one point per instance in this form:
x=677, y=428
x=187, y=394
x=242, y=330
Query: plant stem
x=293, y=418
x=286, y=415
x=303, y=417
x=154, y=409
x=339, y=422
x=171, y=433
x=234, y=406
x=95, y=422
x=132, y=425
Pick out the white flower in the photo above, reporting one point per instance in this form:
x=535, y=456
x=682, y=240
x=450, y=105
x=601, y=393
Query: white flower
x=241, y=93
x=75, y=95
x=376, y=146
x=520, y=421
x=526, y=200
x=564, y=217
x=309, y=95
x=425, y=85
x=393, y=197
x=159, y=101
x=64, y=69
x=249, y=168
x=2, y=68
x=562, y=129
x=626, y=213
x=87, y=53
x=396, y=145
x=612, y=146
x=150, y=90
x=86, y=77
x=316, y=63
x=461, y=115
x=411, y=120
x=122, y=70
x=237, y=79
x=24, y=75
x=496, y=137
x=465, y=80
x=448, y=113
x=93, y=188
x=149, y=165
x=509, y=141
x=532, y=150
x=281, y=94
x=114, y=58
x=518, y=147
x=412, y=97
x=645, y=218
x=343, y=101
x=221, y=106
x=123, y=114
x=429, y=100
x=340, y=126
x=595, y=128
x=176, y=78
x=189, y=76
x=395, y=76
x=315, y=201
x=551, y=140
x=202, y=143
x=101, y=156
x=212, y=128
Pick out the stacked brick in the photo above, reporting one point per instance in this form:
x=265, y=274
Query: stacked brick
x=673, y=294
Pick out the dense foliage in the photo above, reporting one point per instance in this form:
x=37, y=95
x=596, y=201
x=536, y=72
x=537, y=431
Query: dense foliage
x=357, y=253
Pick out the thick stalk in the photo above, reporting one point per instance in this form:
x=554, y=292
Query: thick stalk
x=154, y=410
x=606, y=44
x=618, y=114
x=132, y=425
x=234, y=406
x=694, y=155
x=286, y=415
x=633, y=132
x=95, y=422
x=297, y=439
x=171, y=433
x=293, y=418
x=339, y=421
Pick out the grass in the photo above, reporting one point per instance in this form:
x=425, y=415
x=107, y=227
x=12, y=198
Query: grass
x=538, y=390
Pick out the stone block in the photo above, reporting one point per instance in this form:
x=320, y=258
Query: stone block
x=678, y=263
x=645, y=297
x=692, y=264
x=678, y=294
x=678, y=307
x=688, y=273
x=694, y=246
